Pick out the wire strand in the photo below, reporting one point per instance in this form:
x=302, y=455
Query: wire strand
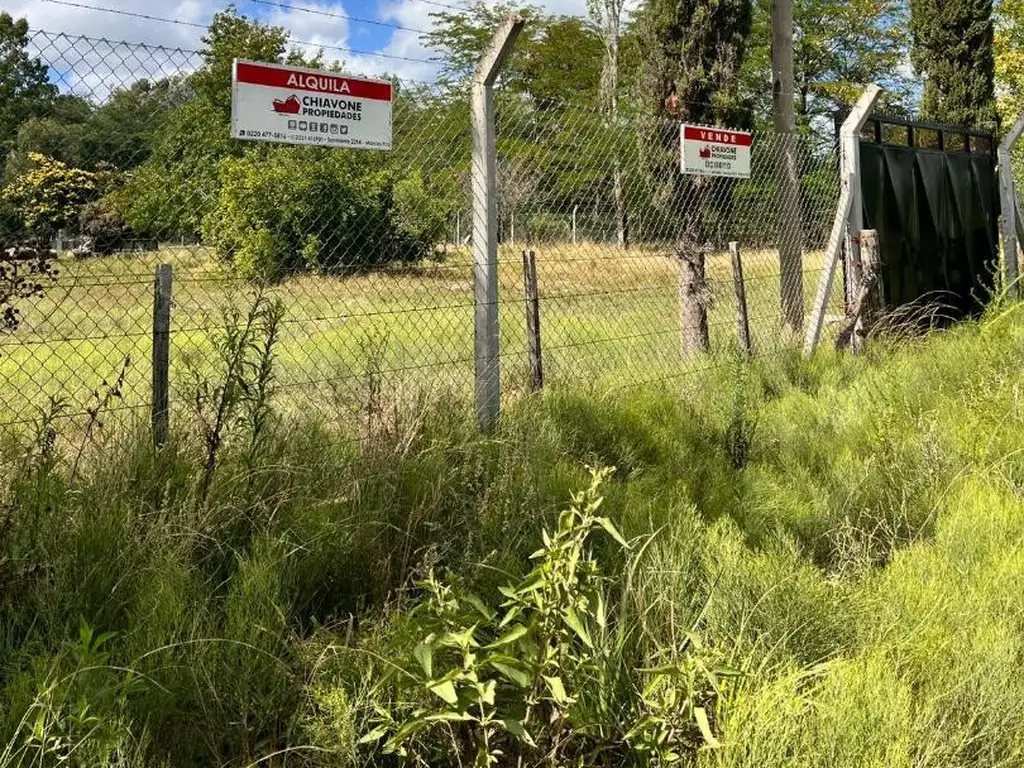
x=334, y=15
x=196, y=25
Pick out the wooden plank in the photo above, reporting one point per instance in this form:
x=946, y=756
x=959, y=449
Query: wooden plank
x=866, y=306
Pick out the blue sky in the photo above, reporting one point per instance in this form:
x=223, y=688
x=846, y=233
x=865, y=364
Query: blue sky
x=326, y=25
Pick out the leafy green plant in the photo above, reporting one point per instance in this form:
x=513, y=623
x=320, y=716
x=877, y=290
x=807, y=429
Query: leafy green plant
x=548, y=679
x=507, y=676
x=80, y=717
x=245, y=385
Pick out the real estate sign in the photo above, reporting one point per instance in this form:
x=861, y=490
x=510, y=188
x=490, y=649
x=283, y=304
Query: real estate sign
x=270, y=102
x=715, y=151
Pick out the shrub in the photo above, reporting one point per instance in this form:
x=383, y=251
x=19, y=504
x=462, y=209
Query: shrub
x=50, y=194
x=549, y=228
x=296, y=208
x=102, y=221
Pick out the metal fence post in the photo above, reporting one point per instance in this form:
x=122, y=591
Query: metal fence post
x=485, y=223
x=849, y=212
x=1008, y=206
x=161, y=404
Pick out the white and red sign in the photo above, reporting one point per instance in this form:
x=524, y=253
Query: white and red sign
x=270, y=102
x=715, y=151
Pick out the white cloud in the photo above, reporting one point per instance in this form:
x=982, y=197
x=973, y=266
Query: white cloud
x=96, y=69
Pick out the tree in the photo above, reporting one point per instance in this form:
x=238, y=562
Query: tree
x=556, y=59
x=693, y=51
x=953, y=52
x=232, y=36
x=563, y=63
x=171, y=193
x=461, y=38
x=839, y=46
x=1009, y=59
x=50, y=194
x=608, y=16
x=25, y=89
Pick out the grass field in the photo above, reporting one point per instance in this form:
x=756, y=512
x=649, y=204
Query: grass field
x=824, y=569
x=606, y=315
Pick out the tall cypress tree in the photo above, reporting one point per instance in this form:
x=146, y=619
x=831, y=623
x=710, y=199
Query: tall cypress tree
x=953, y=51
x=692, y=54
x=692, y=51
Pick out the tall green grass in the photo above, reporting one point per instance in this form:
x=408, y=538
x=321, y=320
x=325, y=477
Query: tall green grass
x=845, y=532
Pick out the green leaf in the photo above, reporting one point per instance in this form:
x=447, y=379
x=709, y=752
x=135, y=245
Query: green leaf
x=481, y=608
x=461, y=640
x=705, y=727
x=516, y=728
x=424, y=653
x=516, y=632
x=557, y=689
x=449, y=717
x=512, y=615
x=609, y=526
x=565, y=520
x=599, y=613
x=376, y=734
x=487, y=692
x=446, y=691
x=515, y=671
x=572, y=618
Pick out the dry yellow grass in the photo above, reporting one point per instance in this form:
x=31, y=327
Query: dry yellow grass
x=607, y=315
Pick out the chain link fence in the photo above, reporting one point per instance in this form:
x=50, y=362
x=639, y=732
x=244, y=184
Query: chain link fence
x=369, y=253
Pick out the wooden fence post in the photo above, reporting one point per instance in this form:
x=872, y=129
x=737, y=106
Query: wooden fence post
x=694, y=298
x=161, y=405
x=533, y=319
x=742, y=320
x=867, y=302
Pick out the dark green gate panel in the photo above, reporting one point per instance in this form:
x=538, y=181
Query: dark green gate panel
x=935, y=214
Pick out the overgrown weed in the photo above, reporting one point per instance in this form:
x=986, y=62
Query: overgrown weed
x=855, y=556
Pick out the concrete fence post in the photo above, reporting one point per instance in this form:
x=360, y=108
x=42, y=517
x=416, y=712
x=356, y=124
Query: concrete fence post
x=1008, y=207
x=849, y=217
x=485, y=223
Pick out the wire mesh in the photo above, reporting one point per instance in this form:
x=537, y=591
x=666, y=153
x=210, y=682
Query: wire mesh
x=370, y=252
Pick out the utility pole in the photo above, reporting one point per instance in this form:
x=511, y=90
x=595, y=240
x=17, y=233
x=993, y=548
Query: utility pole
x=789, y=220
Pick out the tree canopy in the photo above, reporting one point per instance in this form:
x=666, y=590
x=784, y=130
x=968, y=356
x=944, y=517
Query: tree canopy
x=25, y=87
x=953, y=51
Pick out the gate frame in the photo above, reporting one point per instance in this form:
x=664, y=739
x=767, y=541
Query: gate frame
x=1010, y=208
x=849, y=216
